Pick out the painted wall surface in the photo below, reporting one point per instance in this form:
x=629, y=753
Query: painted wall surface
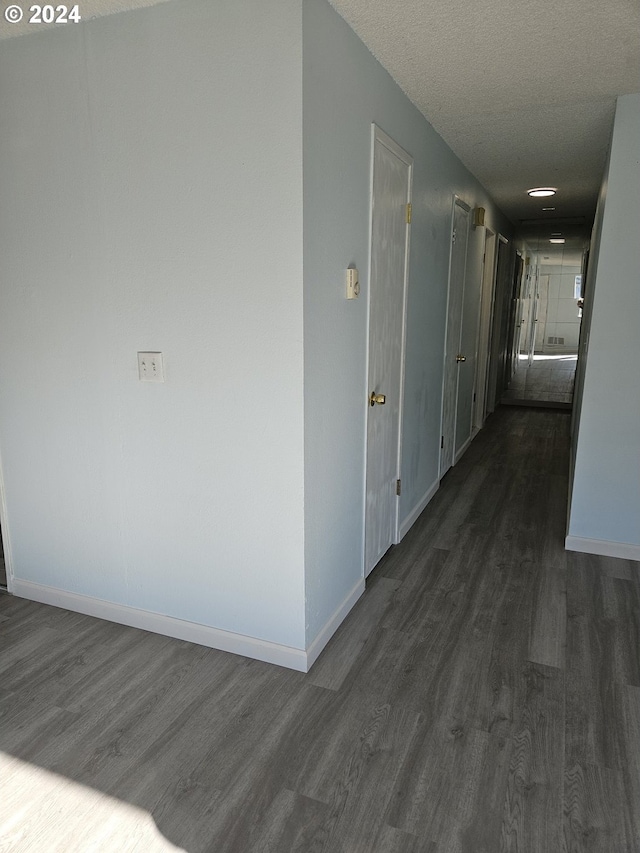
x=345, y=90
x=585, y=327
x=151, y=183
x=605, y=501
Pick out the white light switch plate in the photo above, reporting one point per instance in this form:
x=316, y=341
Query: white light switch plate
x=150, y=367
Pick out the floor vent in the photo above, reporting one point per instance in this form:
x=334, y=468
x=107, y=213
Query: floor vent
x=558, y=341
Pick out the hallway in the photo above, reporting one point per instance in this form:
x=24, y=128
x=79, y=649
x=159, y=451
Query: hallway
x=482, y=696
x=549, y=379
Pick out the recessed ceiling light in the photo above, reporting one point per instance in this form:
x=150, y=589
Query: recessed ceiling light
x=557, y=240
x=541, y=192
x=548, y=208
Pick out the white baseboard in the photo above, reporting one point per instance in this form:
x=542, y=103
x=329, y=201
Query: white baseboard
x=462, y=450
x=411, y=519
x=192, y=632
x=603, y=547
x=333, y=624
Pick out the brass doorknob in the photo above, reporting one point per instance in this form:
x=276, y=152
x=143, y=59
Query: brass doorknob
x=460, y=358
x=374, y=398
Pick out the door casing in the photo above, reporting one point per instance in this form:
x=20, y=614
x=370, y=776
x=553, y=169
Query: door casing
x=485, y=323
x=452, y=340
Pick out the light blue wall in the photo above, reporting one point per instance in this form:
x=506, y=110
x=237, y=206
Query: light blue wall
x=585, y=328
x=605, y=502
x=151, y=185
x=344, y=90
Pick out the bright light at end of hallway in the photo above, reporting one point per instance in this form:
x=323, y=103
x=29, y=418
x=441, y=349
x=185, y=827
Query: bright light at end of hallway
x=42, y=811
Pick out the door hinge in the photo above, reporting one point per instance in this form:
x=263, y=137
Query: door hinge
x=453, y=236
x=474, y=396
x=409, y=214
x=442, y=443
x=398, y=487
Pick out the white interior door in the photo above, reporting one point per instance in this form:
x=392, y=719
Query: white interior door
x=499, y=338
x=390, y=200
x=534, y=312
x=452, y=354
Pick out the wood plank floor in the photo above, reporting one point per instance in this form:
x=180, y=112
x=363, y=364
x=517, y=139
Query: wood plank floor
x=482, y=696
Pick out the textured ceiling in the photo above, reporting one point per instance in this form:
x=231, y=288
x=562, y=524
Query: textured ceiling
x=524, y=92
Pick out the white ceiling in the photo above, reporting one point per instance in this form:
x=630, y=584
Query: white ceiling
x=524, y=92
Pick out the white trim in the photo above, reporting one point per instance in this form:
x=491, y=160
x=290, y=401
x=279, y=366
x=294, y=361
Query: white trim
x=339, y=615
x=365, y=390
x=466, y=207
x=6, y=539
x=446, y=332
x=157, y=623
x=499, y=293
x=465, y=285
x=461, y=202
x=458, y=456
x=378, y=135
x=603, y=547
x=410, y=520
x=403, y=344
x=391, y=144
x=486, y=305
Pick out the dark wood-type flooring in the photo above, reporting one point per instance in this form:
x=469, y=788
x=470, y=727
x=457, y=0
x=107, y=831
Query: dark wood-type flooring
x=482, y=696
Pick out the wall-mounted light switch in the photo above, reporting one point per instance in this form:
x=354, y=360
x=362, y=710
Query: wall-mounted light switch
x=150, y=367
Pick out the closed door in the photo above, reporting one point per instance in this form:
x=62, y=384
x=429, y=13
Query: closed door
x=390, y=216
x=535, y=296
x=515, y=320
x=454, y=358
x=483, y=348
x=500, y=341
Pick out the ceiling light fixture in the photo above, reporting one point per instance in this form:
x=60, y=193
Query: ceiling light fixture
x=557, y=240
x=541, y=192
x=548, y=208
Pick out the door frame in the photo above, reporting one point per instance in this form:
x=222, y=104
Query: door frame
x=462, y=203
x=534, y=272
x=498, y=344
x=515, y=316
x=485, y=324
x=378, y=135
